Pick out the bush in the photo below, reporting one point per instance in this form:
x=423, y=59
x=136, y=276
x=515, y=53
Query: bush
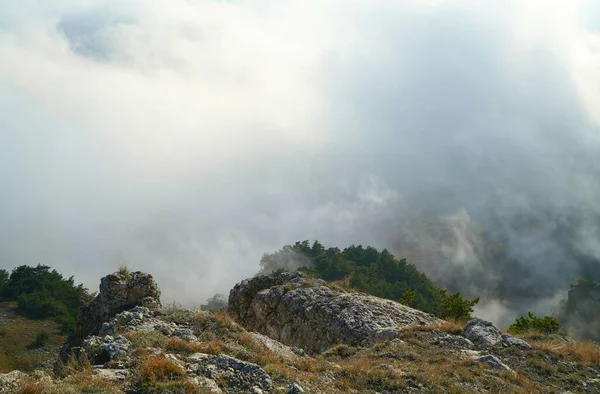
x=545, y=325
x=454, y=307
x=42, y=338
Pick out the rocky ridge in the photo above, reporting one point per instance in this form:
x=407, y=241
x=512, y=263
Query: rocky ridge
x=288, y=333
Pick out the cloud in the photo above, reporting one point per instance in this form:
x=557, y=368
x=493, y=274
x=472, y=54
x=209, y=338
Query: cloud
x=190, y=137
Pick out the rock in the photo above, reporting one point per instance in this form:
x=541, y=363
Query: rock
x=9, y=382
x=118, y=293
x=295, y=389
x=111, y=374
x=508, y=340
x=102, y=350
x=482, y=333
x=303, y=312
x=239, y=376
x=493, y=362
x=277, y=348
x=185, y=333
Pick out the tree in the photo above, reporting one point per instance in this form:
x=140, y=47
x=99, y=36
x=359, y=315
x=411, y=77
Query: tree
x=455, y=307
x=216, y=303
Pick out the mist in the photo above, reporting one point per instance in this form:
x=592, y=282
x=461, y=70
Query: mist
x=187, y=138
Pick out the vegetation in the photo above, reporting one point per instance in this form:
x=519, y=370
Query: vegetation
x=216, y=303
x=42, y=338
x=373, y=272
x=41, y=293
x=532, y=323
x=454, y=307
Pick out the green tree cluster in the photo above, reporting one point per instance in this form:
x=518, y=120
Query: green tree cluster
x=41, y=292
x=374, y=272
x=545, y=325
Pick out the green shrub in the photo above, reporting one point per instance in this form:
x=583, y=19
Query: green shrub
x=42, y=338
x=546, y=325
x=454, y=307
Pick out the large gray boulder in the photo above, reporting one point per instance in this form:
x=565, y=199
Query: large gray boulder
x=484, y=334
x=304, y=312
x=118, y=292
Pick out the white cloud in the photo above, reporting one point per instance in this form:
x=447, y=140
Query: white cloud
x=190, y=137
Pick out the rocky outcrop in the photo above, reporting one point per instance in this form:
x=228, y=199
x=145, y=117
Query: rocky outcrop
x=119, y=292
x=303, y=312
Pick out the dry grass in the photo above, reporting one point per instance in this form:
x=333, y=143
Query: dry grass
x=182, y=346
x=216, y=325
x=19, y=333
x=78, y=382
x=144, y=339
x=124, y=270
x=32, y=388
x=363, y=374
x=451, y=327
x=160, y=374
x=160, y=368
x=585, y=351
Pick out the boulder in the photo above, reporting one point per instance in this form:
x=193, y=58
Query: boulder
x=484, y=334
x=119, y=292
x=300, y=311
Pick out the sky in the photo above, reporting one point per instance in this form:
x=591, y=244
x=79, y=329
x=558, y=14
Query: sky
x=186, y=138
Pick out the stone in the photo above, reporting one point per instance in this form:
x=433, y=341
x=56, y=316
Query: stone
x=482, y=333
x=9, y=382
x=118, y=293
x=111, y=374
x=493, y=362
x=295, y=389
x=102, y=350
x=303, y=312
x=240, y=376
x=277, y=348
x=508, y=340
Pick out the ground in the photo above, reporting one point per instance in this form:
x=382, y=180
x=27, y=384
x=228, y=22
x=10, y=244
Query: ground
x=17, y=340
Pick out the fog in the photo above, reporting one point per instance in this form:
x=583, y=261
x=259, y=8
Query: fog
x=187, y=138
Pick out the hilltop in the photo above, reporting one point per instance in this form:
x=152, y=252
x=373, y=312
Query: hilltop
x=291, y=333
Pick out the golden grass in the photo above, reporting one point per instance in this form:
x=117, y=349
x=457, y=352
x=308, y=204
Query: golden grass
x=159, y=374
x=182, y=346
x=585, y=351
x=159, y=368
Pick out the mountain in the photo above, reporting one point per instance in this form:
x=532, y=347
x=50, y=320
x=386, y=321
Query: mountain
x=291, y=333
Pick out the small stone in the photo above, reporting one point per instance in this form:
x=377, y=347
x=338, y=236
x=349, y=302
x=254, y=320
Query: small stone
x=493, y=362
x=295, y=389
